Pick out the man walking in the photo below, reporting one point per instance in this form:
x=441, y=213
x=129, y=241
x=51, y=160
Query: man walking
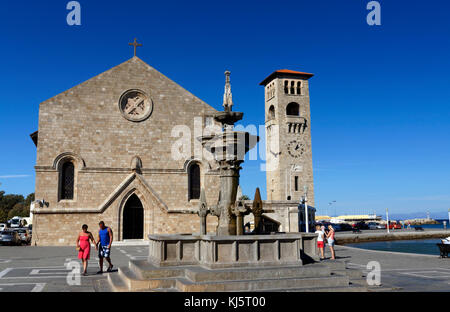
x=105, y=239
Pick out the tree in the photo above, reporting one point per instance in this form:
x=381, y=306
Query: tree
x=12, y=205
x=3, y=216
x=9, y=201
x=19, y=210
x=244, y=197
x=29, y=200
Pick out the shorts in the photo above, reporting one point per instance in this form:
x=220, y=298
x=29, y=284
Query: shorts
x=320, y=245
x=331, y=242
x=104, y=252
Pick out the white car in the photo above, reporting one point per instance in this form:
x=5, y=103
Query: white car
x=2, y=227
x=16, y=222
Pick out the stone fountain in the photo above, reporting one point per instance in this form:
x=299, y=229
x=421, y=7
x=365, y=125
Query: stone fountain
x=230, y=260
x=229, y=247
x=229, y=149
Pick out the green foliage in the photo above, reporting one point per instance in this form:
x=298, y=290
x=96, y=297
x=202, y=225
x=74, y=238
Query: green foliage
x=3, y=216
x=12, y=205
x=244, y=197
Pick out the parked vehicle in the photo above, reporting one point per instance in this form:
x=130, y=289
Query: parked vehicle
x=393, y=225
x=25, y=235
x=10, y=237
x=3, y=227
x=360, y=226
x=345, y=227
x=372, y=225
x=16, y=222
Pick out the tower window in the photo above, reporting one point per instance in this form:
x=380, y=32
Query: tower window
x=299, y=88
x=67, y=180
x=286, y=87
x=271, y=114
x=292, y=87
x=194, y=181
x=296, y=183
x=293, y=109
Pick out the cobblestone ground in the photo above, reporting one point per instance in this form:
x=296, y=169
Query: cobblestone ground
x=402, y=271
x=42, y=269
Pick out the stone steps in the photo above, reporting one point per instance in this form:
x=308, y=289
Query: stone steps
x=199, y=274
x=116, y=283
x=186, y=285
x=143, y=269
x=324, y=276
x=133, y=282
x=350, y=288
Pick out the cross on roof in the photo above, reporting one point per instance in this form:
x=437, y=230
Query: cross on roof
x=135, y=45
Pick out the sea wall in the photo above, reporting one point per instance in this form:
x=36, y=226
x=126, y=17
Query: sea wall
x=367, y=236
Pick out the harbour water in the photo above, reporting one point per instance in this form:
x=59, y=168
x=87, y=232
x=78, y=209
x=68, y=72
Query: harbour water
x=426, y=246
x=420, y=246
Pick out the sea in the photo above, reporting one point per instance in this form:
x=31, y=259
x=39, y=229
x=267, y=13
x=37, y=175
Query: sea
x=419, y=246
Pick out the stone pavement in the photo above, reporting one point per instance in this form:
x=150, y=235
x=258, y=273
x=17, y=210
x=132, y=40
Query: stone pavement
x=42, y=269
x=402, y=271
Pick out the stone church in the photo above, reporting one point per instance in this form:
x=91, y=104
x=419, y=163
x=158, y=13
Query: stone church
x=104, y=152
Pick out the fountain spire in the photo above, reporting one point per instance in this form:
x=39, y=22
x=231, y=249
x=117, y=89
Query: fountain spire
x=228, y=96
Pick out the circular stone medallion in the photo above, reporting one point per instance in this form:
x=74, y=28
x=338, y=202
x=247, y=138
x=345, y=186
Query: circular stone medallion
x=135, y=105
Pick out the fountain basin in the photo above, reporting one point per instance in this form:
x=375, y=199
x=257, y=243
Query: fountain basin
x=229, y=145
x=232, y=251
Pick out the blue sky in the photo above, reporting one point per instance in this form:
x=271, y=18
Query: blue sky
x=379, y=100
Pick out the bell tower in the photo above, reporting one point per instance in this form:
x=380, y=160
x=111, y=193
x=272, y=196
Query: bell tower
x=288, y=136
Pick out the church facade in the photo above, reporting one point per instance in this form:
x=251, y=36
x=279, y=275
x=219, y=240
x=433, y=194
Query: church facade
x=105, y=153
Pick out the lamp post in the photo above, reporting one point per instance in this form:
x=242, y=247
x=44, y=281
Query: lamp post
x=331, y=203
x=305, y=202
x=387, y=220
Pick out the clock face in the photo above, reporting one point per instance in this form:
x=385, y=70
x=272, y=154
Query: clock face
x=135, y=105
x=296, y=149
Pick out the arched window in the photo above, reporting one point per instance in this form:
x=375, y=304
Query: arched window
x=299, y=88
x=293, y=109
x=194, y=181
x=292, y=87
x=286, y=87
x=67, y=180
x=271, y=114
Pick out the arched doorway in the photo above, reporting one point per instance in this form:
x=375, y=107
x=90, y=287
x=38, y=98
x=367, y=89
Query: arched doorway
x=133, y=219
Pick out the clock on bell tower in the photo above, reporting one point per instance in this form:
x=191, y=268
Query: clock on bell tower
x=288, y=136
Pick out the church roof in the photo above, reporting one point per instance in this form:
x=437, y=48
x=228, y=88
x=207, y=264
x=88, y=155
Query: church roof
x=134, y=61
x=285, y=73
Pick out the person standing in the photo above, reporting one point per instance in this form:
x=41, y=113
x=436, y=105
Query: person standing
x=84, y=246
x=105, y=239
x=320, y=241
x=330, y=240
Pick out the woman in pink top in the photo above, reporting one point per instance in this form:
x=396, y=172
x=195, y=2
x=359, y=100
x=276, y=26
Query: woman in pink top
x=84, y=247
x=330, y=239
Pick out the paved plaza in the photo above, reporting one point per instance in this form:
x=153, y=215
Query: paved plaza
x=44, y=269
x=41, y=269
